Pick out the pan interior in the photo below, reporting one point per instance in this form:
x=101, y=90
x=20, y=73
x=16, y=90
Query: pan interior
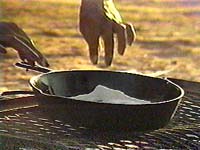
x=73, y=83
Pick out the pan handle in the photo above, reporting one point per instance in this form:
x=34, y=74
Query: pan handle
x=182, y=92
x=8, y=93
x=10, y=104
x=11, y=101
x=33, y=68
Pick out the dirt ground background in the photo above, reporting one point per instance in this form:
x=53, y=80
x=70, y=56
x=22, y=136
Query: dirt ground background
x=168, y=38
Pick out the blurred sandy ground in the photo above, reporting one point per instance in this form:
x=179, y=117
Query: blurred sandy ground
x=186, y=68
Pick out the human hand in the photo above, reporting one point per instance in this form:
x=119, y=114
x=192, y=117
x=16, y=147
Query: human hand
x=12, y=36
x=100, y=18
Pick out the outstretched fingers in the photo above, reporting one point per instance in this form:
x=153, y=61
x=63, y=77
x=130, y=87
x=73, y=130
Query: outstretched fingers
x=91, y=33
x=92, y=40
x=42, y=60
x=130, y=33
x=24, y=51
x=93, y=50
x=21, y=35
x=120, y=30
x=108, y=39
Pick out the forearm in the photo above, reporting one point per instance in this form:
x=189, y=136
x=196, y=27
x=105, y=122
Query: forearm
x=91, y=9
x=89, y=2
x=94, y=3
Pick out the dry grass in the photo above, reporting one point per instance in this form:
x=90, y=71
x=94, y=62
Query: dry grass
x=168, y=37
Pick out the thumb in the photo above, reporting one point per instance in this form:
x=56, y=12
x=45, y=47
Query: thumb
x=41, y=60
x=2, y=49
x=120, y=30
x=130, y=33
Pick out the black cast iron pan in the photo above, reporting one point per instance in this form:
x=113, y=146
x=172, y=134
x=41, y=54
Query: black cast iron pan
x=54, y=87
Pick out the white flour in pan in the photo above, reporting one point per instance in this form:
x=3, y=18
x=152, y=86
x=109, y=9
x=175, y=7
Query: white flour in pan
x=102, y=94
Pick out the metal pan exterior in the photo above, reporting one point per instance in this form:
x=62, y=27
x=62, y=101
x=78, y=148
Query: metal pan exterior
x=54, y=87
x=110, y=117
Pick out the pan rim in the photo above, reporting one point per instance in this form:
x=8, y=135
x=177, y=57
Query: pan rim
x=179, y=97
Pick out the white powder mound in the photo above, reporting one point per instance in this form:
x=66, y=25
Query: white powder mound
x=102, y=94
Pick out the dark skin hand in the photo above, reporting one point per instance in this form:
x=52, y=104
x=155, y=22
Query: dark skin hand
x=100, y=18
x=13, y=36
